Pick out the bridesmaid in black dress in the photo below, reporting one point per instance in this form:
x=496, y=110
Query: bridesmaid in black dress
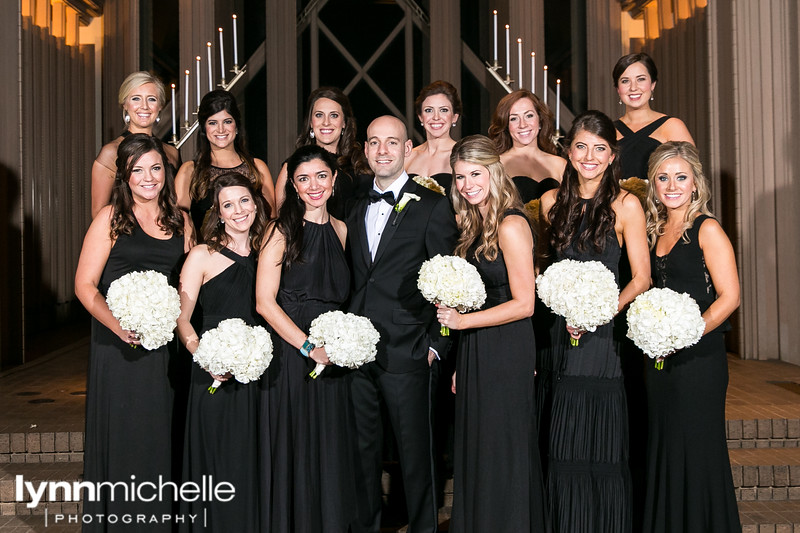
x=221, y=148
x=438, y=109
x=498, y=483
x=330, y=124
x=522, y=128
x=302, y=273
x=129, y=399
x=589, y=219
x=689, y=483
x=222, y=429
x=641, y=129
x=141, y=97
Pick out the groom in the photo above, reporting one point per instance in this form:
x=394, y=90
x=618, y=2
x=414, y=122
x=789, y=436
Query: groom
x=392, y=231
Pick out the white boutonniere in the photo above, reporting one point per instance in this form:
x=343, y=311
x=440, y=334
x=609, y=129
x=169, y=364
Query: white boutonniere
x=407, y=197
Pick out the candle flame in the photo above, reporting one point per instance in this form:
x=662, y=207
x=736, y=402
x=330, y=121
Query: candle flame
x=494, y=12
x=234, y=16
x=533, y=54
x=545, y=67
x=186, y=71
x=208, y=44
x=558, y=81
x=519, y=40
x=197, y=58
x=173, y=86
x=220, y=30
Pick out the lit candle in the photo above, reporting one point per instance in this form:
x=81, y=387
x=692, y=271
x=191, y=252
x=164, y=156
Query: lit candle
x=494, y=56
x=508, y=51
x=558, y=105
x=197, y=73
x=235, y=47
x=519, y=62
x=210, y=75
x=533, y=72
x=221, y=56
x=186, y=98
x=174, y=129
x=544, y=88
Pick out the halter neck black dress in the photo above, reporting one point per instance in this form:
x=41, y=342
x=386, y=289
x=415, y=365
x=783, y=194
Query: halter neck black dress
x=635, y=147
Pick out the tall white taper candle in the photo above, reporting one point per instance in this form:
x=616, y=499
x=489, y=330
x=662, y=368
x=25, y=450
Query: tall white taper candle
x=174, y=129
x=544, y=88
x=519, y=62
x=508, y=51
x=197, y=74
x=558, y=105
x=210, y=75
x=186, y=98
x=494, y=55
x=221, y=56
x=235, y=46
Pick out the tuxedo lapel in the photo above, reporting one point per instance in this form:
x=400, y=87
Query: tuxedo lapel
x=395, y=219
x=363, y=243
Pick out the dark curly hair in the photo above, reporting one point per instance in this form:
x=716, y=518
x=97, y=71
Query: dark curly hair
x=349, y=152
x=498, y=129
x=130, y=150
x=568, y=210
x=211, y=104
x=214, y=234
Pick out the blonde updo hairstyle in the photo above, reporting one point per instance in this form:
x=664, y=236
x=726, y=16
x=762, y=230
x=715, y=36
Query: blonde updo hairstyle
x=503, y=195
x=656, y=212
x=136, y=80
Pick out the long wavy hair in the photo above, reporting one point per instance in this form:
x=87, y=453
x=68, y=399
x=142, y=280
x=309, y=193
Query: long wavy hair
x=439, y=87
x=290, y=217
x=211, y=104
x=568, y=209
x=498, y=129
x=349, y=152
x=503, y=195
x=130, y=150
x=214, y=234
x=656, y=212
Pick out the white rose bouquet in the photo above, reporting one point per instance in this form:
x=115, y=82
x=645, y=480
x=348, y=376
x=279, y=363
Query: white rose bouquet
x=146, y=303
x=451, y=281
x=233, y=346
x=349, y=340
x=585, y=293
x=662, y=321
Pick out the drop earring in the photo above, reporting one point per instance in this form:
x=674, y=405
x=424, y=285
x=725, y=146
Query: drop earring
x=158, y=119
x=652, y=96
x=694, y=196
x=620, y=102
x=455, y=124
x=311, y=134
x=126, y=117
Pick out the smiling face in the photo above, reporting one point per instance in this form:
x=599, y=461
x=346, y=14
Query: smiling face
x=314, y=181
x=674, y=183
x=236, y=209
x=635, y=86
x=147, y=177
x=590, y=155
x=472, y=182
x=523, y=122
x=143, y=107
x=327, y=121
x=386, y=149
x=437, y=115
x=220, y=129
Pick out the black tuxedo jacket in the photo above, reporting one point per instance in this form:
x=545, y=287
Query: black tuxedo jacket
x=385, y=290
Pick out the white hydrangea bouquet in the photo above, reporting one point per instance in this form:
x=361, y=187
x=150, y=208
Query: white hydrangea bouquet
x=146, y=303
x=233, y=346
x=349, y=340
x=451, y=281
x=585, y=293
x=662, y=321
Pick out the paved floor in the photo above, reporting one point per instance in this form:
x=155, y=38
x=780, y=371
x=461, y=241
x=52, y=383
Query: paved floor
x=47, y=396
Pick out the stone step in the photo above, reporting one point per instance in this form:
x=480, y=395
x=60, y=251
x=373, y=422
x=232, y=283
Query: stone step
x=763, y=433
x=770, y=517
x=41, y=447
x=766, y=474
x=10, y=505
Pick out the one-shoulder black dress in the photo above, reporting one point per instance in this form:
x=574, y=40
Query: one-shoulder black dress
x=312, y=430
x=222, y=428
x=129, y=400
x=689, y=482
x=498, y=483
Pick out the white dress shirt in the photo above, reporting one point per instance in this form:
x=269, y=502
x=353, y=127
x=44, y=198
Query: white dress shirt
x=378, y=213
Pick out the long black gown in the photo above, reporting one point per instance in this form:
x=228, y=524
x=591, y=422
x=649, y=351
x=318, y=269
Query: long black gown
x=129, y=399
x=222, y=429
x=588, y=477
x=635, y=147
x=530, y=189
x=311, y=420
x=689, y=482
x=498, y=484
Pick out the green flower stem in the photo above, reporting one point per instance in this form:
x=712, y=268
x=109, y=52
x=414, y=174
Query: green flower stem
x=444, y=331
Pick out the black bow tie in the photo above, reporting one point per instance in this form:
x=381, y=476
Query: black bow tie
x=375, y=196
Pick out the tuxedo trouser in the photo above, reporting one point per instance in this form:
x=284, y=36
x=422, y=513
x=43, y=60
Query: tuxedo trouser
x=407, y=399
